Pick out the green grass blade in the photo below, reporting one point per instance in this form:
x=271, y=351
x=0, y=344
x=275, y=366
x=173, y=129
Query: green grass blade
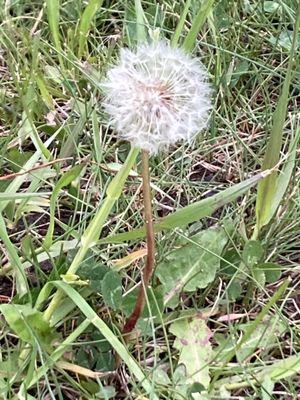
x=258, y=320
x=279, y=370
x=21, y=281
x=124, y=354
x=53, y=20
x=267, y=188
x=85, y=24
x=57, y=354
x=180, y=25
x=197, y=23
x=91, y=234
x=192, y=212
x=23, y=195
x=64, y=180
x=15, y=185
x=140, y=21
x=285, y=175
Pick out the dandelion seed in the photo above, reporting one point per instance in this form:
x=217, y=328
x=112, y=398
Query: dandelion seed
x=156, y=96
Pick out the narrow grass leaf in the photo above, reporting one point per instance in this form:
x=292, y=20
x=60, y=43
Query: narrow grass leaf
x=53, y=20
x=85, y=24
x=64, y=180
x=97, y=136
x=68, y=148
x=266, y=191
x=285, y=176
x=90, y=314
x=279, y=370
x=91, y=234
x=13, y=196
x=192, y=212
x=18, y=181
x=57, y=354
x=21, y=281
x=180, y=26
x=140, y=21
x=197, y=23
x=258, y=320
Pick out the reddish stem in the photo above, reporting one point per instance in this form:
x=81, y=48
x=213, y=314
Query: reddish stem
x=148, y=269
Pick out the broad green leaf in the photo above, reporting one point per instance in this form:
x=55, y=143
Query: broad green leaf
x=154, y=304
x=193, y=342
x=65, y=180
x=18, y=158
x=85, y=23
x=252, y=253
x=111, y=289
x=234, y=290
x=278, y=370
x=94, y=272
x=283, y=369
x=271, y=270
x=192, y=212
x=285, y=40
x=271, y=6
x=193, y=265
x=28, y=324
x=9, y=367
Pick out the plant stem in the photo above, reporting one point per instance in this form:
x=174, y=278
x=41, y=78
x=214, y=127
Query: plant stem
x=93, y=231
x=148, y=269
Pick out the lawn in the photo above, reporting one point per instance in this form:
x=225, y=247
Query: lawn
x=219, y=306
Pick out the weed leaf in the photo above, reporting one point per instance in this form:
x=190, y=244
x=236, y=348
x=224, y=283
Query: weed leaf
x=193, y=342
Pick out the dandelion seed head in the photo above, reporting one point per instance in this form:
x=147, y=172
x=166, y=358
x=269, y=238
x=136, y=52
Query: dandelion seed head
x=157, y=95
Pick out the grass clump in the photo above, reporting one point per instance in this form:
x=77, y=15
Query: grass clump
x=221, y=314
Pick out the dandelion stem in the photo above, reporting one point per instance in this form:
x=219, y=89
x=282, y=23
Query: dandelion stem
x=148, y=269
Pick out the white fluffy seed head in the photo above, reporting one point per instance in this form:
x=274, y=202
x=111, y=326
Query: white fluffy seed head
x=157, y=95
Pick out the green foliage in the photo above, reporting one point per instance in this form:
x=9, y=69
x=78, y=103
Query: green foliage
x=52, y=58
x=65, y=180
x=193, y=265
x=269, y=190
x=28, y=324
x=192, y=212
x=111, y=289
x=53, y=8
x=252, y=253
x=195, y=352
x=198, y=21
x=85, y=24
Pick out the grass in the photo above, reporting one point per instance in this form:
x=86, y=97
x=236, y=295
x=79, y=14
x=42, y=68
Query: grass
x=59, y=161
